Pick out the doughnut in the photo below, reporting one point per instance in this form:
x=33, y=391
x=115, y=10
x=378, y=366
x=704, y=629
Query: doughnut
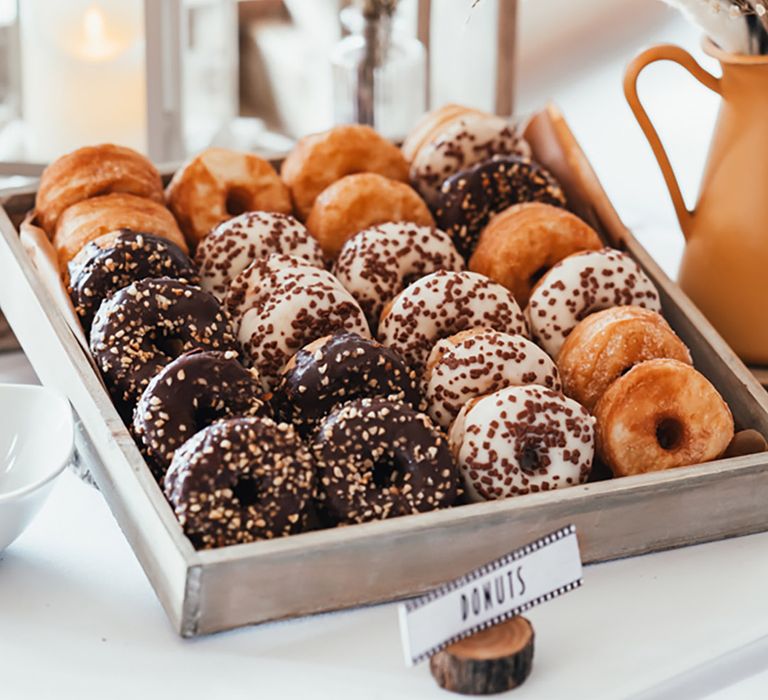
x=113, y=261
x=381, y=459
x=188, y=394
x=241, y=480
x=462, y=143
x=357, y=202
x=142, y=327
x=582, y=284
x=92, y=218
x=375, y=265
x=660, y=415
x=338, y=368
x=480, y=361
x=297, y=309
x=430, y=124
x=608, y=343
x=471, y=197
x=319, y=160
x=522, y=439
x=443, y=304
x=253, y=286
x=235, y=243
x=218, y=184
x=90, y=172
x=521, y=243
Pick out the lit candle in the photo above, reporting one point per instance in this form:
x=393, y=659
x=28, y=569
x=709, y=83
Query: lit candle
x=83, y=74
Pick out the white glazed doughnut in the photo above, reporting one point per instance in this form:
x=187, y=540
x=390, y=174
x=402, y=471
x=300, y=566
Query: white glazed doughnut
x=480, y=361
x=582, y=284
x=298, y=309
x=256, y=283
x=234, y=244
x=442, y=304
x=522, y=439
x=462, y=144
x=377, y=263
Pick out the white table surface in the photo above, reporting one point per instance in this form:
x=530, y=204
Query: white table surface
x=78, y=618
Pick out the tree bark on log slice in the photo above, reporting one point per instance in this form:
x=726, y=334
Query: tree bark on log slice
x=492, y=661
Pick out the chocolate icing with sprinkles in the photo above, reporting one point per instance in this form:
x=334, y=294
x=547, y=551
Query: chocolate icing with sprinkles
x=381, y=459
x=234, y=244
x=99, y=271
x=241, y=480
x=141, y=328
x=336, y=369
x=377, y=263
x=582, y=284
x=471, y=197
x=463, y=143
x=189, y=394
x=442, y=304
x=480, y=361
x=522, y=439
x=297, y=309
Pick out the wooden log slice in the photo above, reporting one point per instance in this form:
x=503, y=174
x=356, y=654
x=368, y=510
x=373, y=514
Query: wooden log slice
x=492, y=661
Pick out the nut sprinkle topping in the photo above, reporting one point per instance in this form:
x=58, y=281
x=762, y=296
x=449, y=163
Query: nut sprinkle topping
x=381, y=459
x=189, y=394
x=241, y=480
x=470, y=198
x=336, y=369
x=144, y=326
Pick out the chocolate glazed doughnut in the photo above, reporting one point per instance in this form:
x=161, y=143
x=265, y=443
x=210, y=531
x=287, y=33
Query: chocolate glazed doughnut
x=144, y=326
x=189, y=394
x=241, y=480
x=471, y=197
x=381, y=459
x=131, y=256
x=338, y=368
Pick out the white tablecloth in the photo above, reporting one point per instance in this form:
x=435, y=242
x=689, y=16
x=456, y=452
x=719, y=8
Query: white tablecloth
x=78, y=619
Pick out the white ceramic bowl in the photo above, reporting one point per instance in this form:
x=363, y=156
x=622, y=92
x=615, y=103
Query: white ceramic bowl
x=36, y=442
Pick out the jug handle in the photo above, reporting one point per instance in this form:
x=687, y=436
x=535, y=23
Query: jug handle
x=665, y=52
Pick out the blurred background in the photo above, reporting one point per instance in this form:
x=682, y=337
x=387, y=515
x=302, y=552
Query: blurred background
x=173, y=77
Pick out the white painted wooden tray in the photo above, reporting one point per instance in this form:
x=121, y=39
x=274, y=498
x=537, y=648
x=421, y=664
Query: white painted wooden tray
x=207, y=591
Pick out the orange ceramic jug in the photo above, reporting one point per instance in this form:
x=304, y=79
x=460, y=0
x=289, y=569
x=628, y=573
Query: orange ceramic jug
x=725, y=264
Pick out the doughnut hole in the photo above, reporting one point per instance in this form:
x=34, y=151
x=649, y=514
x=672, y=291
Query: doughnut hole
x=170, y=346
x=670, y=433
x=246, y=490
x=529, y=458
x=387, y=472
x=238, y=201
x=662, y=414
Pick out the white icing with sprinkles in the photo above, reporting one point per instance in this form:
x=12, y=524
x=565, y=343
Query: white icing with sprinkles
x=463, y=143
x=522, y=439
x=582, y=284
x=480, y=362
x=377, y=263
x=442, y=304
x=236, y=243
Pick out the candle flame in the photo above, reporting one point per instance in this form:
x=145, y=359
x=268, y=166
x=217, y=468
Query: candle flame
x=97, y=43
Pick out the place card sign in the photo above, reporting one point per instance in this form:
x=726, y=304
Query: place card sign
x=490, y=594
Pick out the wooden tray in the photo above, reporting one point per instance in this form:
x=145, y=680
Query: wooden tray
x=207, y=591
